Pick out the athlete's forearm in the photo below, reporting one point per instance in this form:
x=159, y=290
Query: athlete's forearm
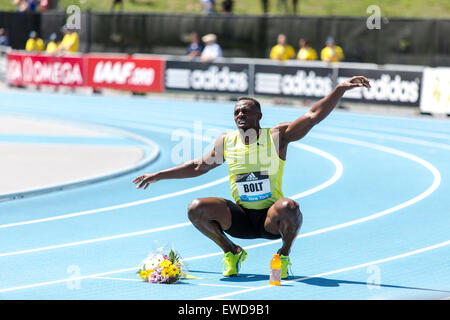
x=323, y=107
x=189, y=169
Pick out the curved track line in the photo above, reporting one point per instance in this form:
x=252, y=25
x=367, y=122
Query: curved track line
x=363, y=265
x=388, y=136
x=403, y=255
x=146, y=160
x=173, y=194
x=116, y=207
x=426, y=193
x=412, y=132
x=333, y=179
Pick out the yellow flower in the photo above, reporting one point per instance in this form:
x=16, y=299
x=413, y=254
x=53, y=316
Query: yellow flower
x=166, y=263
x=143, y=274
x=173, y=271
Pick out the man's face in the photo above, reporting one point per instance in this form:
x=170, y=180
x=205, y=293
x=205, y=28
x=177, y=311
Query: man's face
x=246, y=115
x=281, y=39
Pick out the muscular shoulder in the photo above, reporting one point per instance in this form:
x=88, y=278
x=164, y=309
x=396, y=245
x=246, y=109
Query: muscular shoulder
x=279, y=128
x=277, y=132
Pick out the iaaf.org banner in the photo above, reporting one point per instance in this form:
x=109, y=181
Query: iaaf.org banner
x=125, y=73
x=293, y=81
x=207, y=77
x=41, y=69
x=391, y=87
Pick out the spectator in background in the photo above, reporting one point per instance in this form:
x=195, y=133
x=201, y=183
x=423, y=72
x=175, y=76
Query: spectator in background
x=117, y=3
x=52, y=45
x=195, y=48
x=209, y=6
x=282, y=50
x=306, y=52
x=227, y=6
x=22, y=5
x=265, y=6
x=331, y=52
x=32, y=5
x=294, y=6
x=70, y=41
x=34, y=43
x=212, y=50
x=4, y=41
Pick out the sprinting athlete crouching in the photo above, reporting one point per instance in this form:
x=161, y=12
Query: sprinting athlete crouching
x=255, y=157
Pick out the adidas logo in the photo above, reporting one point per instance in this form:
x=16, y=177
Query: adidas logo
x=251, y=177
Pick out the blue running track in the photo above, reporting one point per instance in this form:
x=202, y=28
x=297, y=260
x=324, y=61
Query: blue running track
x=374, y=192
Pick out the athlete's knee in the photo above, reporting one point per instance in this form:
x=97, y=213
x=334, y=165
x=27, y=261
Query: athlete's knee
x=193, y=209
x=290, y=210
x=196, y=210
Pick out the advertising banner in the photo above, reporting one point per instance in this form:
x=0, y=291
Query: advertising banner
x=40, y=69
x=207, y=77
x=293, y=81
x=125, y=73
x=436, y=91
x=391, y=87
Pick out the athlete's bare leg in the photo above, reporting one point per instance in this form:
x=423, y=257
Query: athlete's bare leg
x=211, y=216
x=284, y=218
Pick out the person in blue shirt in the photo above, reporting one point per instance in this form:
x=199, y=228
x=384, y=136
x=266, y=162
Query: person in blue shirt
x=195, y=48
x=3, y=37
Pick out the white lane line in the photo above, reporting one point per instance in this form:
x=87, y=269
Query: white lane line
x=363, y=265
x=120, y=206
x=396, y=130
x=336, y=176
x=333, y=179
x=119, y=279
x=423, y=195
x=223, y=285
x=102, y=274
x=78, y=243
x=199, y=284
x=388, y=136
x=435, y=184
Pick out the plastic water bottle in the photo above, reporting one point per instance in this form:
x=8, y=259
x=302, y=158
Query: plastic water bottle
x=275, y=270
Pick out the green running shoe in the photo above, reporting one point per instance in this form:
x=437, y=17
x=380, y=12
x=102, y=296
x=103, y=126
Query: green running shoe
x=285, y=263
x=233, y=262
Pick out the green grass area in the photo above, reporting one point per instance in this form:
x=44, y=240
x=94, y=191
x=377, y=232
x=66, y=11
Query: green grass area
x=353, y=8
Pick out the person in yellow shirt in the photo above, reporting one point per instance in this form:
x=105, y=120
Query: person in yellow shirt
x=331, y=52
x=306, y=52
x=282, y=51
x=52, y=45
x=34, y=43
x=70, y=41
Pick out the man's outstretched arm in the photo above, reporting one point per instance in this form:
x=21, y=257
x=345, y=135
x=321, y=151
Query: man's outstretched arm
x=190, y=169
x=297, y=129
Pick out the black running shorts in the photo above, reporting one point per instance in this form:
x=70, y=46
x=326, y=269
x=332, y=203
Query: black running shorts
x=248, y=223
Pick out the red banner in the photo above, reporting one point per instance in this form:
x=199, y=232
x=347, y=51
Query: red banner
x=38, y=69
x=125, y=73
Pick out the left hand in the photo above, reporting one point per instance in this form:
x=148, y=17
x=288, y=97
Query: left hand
x=354, y=82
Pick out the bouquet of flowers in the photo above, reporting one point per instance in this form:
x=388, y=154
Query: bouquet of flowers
x=161, y=268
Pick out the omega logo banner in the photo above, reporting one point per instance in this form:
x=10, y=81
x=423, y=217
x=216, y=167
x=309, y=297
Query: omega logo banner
x=24, y=69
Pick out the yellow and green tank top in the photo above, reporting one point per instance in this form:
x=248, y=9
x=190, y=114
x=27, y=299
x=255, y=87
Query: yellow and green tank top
x=256, y=170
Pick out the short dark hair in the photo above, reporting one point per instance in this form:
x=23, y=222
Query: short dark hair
x=253, y=100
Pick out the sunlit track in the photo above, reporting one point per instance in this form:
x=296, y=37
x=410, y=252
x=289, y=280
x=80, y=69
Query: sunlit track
x=408, y=224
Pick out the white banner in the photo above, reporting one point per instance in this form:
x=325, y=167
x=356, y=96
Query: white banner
x=436, y=91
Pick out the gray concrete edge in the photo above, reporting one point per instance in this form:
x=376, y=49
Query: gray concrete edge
x=146, y=160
